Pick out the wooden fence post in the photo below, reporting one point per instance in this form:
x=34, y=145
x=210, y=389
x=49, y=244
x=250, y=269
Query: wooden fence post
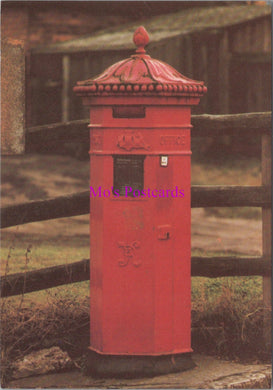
x=65, y=88
x=12, y=97
x=266, y=231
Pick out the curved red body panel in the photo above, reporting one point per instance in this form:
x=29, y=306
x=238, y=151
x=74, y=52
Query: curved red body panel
x=140, y=282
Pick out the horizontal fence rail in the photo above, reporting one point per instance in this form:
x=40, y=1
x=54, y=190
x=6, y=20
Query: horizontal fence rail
x=79, y=203
x=79, y=271
x=203, y=126
x=249, y=124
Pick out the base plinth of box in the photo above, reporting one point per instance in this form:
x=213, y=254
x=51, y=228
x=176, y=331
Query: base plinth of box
x=135, y=366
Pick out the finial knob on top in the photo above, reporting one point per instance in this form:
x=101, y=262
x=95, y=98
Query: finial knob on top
x=141, y=39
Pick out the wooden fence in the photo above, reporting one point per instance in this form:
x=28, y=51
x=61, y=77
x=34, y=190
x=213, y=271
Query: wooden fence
x=202, y=196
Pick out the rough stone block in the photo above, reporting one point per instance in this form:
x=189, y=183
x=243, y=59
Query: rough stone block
x=42, y=362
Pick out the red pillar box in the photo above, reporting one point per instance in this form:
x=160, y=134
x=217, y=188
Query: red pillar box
x=140, y=226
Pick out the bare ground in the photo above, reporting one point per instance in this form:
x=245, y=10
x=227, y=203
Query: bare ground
x=209, y=373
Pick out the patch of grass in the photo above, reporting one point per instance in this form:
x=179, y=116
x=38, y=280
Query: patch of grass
x=45, y=251
x=234, y=305
x=227, y=172
x=208, y=292
x=235, y=212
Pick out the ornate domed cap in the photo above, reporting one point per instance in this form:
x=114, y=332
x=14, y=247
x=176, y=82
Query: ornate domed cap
x=141, y=75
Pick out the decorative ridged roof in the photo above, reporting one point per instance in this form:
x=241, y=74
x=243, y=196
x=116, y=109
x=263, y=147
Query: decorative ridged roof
x=140, y=75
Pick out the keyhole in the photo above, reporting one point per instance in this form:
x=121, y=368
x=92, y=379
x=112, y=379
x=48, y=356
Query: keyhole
x=167, y=235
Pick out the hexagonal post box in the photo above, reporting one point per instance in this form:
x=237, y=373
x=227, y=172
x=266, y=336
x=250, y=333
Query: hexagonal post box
x=140, y=215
